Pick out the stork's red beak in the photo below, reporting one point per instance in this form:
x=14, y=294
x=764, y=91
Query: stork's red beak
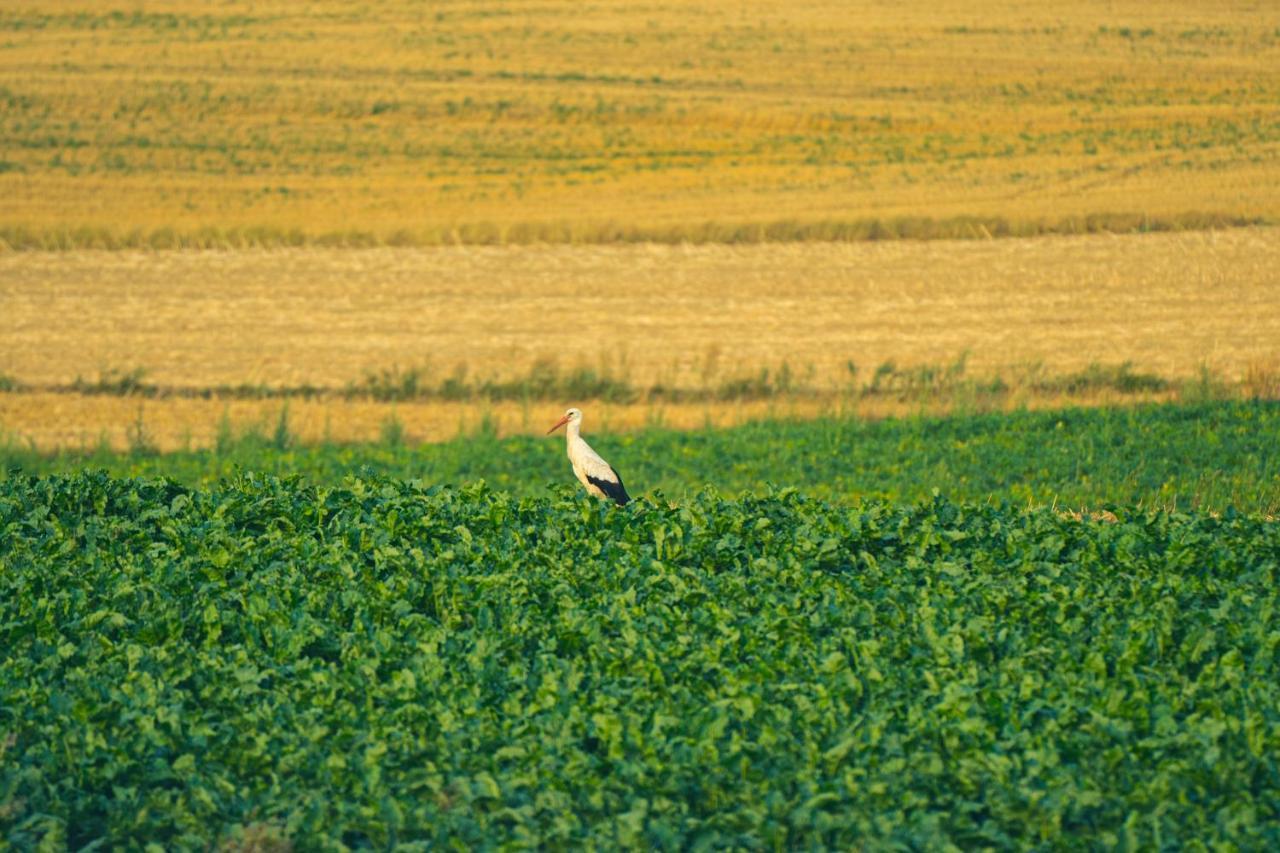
x=559, y=424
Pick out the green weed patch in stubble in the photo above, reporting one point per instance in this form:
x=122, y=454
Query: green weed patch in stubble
x=544, y=381
x=1121, y=378
x=379, y=662
x=116, y=383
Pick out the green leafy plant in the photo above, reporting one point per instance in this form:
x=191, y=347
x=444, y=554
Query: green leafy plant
x=269, y=663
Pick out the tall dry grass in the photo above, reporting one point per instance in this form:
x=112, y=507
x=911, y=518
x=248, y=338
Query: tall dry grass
x=88, y=337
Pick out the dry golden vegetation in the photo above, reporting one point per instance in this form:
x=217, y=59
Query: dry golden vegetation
x=267, y=123
x=444, y=336
x=298, y=131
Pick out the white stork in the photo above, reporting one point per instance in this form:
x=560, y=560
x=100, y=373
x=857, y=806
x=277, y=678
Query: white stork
x=592, y=471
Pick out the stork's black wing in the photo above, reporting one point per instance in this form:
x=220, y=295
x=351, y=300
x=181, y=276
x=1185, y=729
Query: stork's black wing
x=614, y=490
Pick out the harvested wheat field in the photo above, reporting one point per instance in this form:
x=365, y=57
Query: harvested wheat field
x=180, y=124
x=682, y=315
x=184, y=325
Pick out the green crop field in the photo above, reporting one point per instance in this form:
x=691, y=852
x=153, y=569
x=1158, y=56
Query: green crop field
x=287, y=289
x=990, y=631
x=266, y=663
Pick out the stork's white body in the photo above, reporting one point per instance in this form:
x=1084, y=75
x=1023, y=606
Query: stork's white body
x=587, y=464
x=597, y=476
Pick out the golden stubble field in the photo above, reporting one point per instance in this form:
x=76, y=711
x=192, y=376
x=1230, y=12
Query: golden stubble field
x=180, y=123
x=680, y=316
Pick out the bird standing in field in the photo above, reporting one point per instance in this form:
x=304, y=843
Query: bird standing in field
x=592, y=471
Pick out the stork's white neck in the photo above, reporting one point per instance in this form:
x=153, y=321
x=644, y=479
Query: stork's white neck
x=574, y=430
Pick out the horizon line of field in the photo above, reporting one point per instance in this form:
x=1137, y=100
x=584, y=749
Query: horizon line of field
x=14, y=238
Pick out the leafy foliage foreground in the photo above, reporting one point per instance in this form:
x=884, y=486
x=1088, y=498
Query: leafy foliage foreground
x=380, y=663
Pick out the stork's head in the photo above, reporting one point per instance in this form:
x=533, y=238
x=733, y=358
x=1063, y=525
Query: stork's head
x=571, y=416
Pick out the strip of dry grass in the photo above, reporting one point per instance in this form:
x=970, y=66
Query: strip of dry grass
x=675, y=316
x=273, y=123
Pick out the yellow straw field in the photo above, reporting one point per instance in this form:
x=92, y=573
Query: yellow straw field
x=683, y=206
x=273, y=123
x=673, y=317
